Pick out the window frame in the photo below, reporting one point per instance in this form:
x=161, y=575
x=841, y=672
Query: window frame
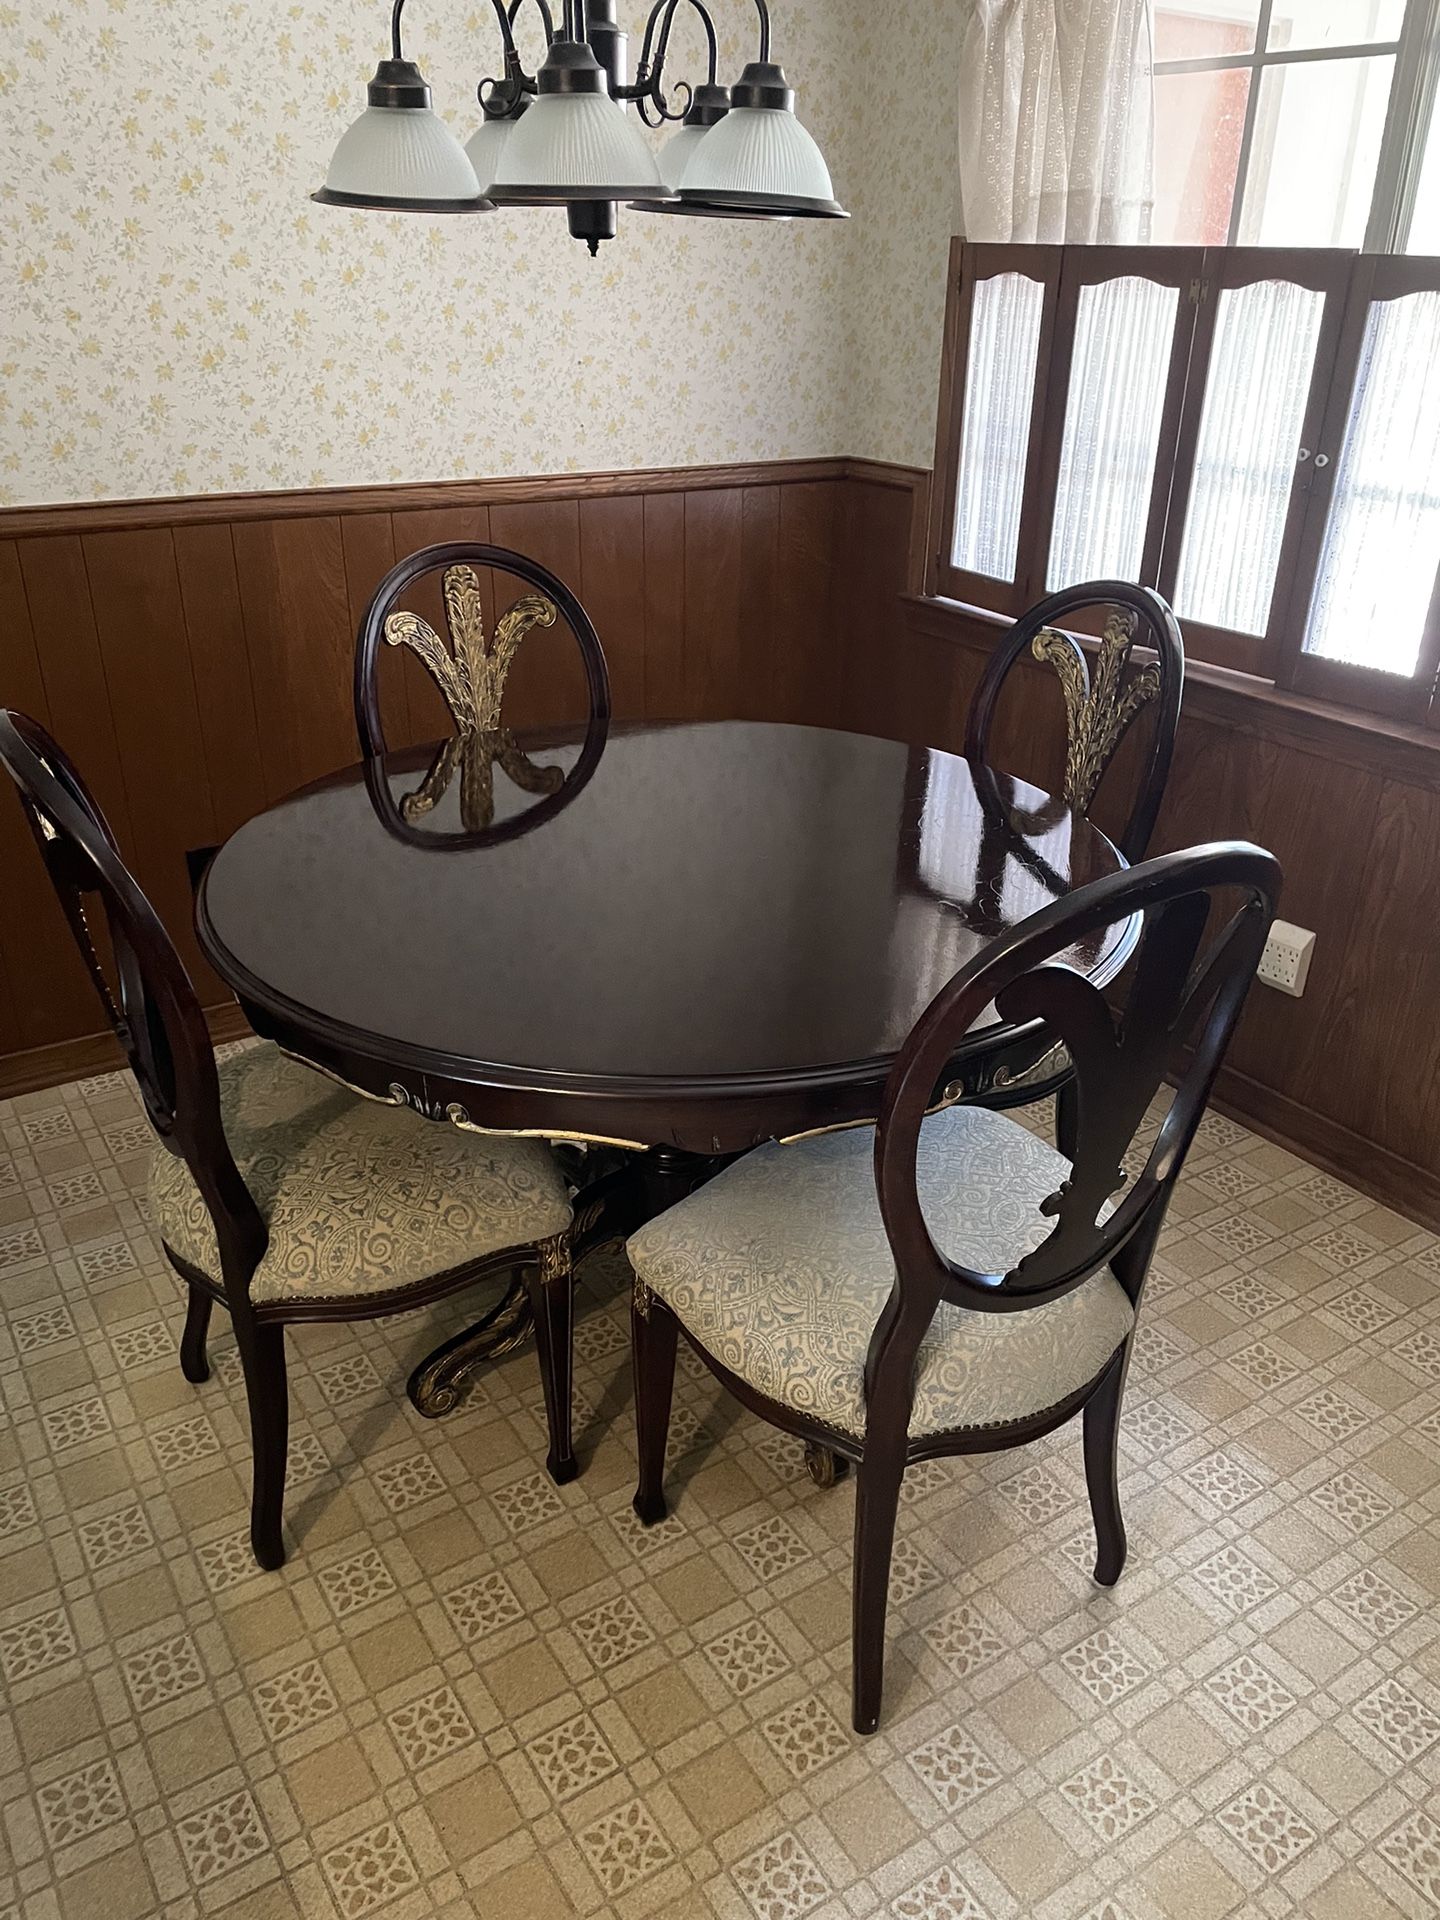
x=1226, y=269
x=1083, y=267
x=1350, y=282
x=1375, y=277
x=1414, y=85
x=968, y=262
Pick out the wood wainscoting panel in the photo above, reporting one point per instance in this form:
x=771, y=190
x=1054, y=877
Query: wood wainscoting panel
x=144, y=641
x=714, y=599
x=220, y=662
x=806, y=660
x=1391, y=972
x=34, y=1007
x=53, y=668
x=367, y=543
x=72, y=668
x=879, y=680
x=301, y=646
x=760, y=602
x=1319, y=821
x=664, y=564
x=611, y=585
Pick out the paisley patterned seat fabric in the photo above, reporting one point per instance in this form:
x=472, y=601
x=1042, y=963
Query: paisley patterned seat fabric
x=359, y=1197
x=780, y=1266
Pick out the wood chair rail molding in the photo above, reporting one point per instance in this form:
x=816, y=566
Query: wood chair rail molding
x=205, y=509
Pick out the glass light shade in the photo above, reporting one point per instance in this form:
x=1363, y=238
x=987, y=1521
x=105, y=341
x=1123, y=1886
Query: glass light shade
x=575, y=146
x=761, y=158
x=674, y=156
x=484, y=147
x=405, y=158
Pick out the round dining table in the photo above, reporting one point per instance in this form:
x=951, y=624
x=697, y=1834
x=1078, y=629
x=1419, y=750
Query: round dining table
x=699, y=937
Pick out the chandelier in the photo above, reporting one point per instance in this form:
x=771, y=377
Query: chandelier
x=561, y=136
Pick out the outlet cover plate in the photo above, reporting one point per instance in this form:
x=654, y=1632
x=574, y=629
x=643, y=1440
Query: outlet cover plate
x=1285, y=962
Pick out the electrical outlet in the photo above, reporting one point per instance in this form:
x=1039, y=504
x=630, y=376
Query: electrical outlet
x=1285, y=962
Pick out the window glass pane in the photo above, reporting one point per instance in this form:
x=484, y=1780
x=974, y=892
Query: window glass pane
x=1123, y=334
x=1382, y=542
x=999, y=395
x=1200, y=29
x=1425, y=216
x=1312, y=162
x=1255, y=394
x=1203, y=115
x=1334, y=23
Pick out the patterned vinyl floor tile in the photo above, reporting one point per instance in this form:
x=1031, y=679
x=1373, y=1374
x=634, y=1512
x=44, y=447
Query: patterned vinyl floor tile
x=471, y=1693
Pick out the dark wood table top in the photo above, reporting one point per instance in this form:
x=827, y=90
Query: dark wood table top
x=724, y=937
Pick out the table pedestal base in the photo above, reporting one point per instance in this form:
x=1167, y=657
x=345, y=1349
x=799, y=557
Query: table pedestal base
x=823, y=1466
x=436, y=1385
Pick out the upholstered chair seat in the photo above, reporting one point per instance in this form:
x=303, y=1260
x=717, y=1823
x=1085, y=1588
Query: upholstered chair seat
x=359, y=1197
x=780, y=1266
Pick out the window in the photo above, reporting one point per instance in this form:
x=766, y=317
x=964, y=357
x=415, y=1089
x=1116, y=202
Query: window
x=1241, y=87
x=1253, y=431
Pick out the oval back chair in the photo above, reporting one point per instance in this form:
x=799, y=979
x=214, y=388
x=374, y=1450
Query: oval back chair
x=1103, y=700
x=951, y=1284
x=470, y=673
x=1104, y=694
x=274, y=1193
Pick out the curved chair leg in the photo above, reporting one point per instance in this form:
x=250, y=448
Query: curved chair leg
x=877, y=1500
x=193, y=1361
x=262, y=1352
x=654, y=1330
x=1102, y=1439
x=552, y=1296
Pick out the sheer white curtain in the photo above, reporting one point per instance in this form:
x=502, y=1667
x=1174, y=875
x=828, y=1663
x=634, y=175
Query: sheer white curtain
x=1057, y=121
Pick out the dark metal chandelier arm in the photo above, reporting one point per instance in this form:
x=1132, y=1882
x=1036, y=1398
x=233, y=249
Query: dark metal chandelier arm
x=517, y=81
x=575, y=26
x=668, y=9
x=500, y=14
x=762, y=7
x=545, y=14
x=648, y=89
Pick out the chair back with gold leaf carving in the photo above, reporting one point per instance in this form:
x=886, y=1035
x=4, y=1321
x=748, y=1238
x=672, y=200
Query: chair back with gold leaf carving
x=470, y=668
x=1136, y=664
x=147, y=996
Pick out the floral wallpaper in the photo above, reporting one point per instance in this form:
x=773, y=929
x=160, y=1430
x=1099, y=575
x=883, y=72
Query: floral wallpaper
x=178, y=317
x=904, y=188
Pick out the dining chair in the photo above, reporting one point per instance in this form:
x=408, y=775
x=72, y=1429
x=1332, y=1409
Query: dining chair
x=1105, y=690
x=953, y=1284
x=471, y=672
x=274, y=1191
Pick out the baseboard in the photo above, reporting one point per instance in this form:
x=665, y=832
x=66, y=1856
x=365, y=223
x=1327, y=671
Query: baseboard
x=1375, y=1171
x=94, y=1053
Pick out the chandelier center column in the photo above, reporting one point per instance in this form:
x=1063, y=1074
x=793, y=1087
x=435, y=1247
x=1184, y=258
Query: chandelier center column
x=595, y=220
